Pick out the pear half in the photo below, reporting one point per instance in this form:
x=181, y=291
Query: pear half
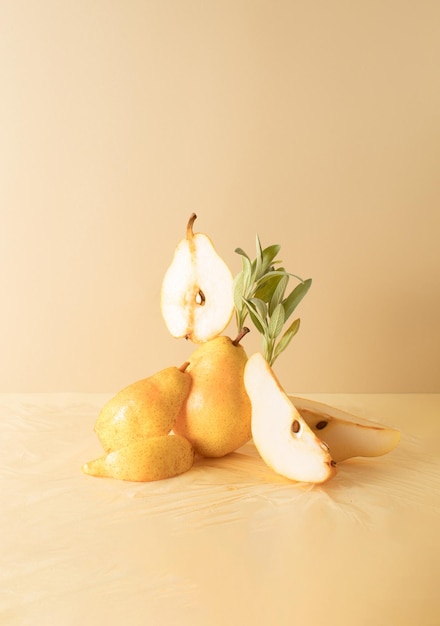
x=197, y=289
x=145, y=460
x=280, y=434
x=345, y=436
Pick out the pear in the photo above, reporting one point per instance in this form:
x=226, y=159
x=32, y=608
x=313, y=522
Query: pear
x=146, y=408
x=197, y=289
x=145, y=460
x=216, y=417
x=342, y=432
x=280, y=434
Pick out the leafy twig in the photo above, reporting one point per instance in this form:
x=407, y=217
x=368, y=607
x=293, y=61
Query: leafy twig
x=260, y=293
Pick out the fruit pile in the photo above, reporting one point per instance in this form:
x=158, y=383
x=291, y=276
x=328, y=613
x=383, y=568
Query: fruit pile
x=220, y=399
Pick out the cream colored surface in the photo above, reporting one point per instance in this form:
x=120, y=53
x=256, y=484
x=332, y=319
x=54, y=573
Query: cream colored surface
x=229, y=542
x=314, y=124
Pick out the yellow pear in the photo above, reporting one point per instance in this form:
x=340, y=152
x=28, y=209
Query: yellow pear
x=197, y=289
x=346, y=435
x=281, y=436
x=146, y=408
x=145, y=460
x=216, y=417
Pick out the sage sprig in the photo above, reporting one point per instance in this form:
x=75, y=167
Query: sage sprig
x=260, y=293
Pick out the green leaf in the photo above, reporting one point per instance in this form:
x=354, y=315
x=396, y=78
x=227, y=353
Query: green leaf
x=267, y=348
x=241, y=252
x=238, y=291
x=247, y=274
x=286, y=338
x=292, y=301
x=276, y=321
x=267, y=287
x=269, y=255
x=255, y=317
x=278, y=294
x=260, y=306
x=278, y=272
x=258, y=263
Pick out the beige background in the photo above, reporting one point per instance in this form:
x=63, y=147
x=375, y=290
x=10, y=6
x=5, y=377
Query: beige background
x=314, y=124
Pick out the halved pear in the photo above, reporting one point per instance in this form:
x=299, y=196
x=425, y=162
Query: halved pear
x=346, y=435
x=280, y=434
x=145, y=460
x=197, y=289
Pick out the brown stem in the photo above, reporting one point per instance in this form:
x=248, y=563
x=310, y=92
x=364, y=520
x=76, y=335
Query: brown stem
x=183, y=367
x=189, y=226
x=244, y=331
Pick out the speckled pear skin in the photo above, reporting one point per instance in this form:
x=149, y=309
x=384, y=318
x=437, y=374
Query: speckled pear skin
x=146, y=408
x=216, y=416
x=145, y=460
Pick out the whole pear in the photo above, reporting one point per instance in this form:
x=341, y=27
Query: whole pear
x=146, y=408
x=216, y=416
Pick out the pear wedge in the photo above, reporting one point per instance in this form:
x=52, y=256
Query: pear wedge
x=145, y=460
x=197, y=289
x=281, y=436
x=346, y=435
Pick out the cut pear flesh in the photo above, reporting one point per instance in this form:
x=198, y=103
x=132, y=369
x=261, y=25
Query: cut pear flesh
x=197, y=290
x=281, y=436
x=346, y=435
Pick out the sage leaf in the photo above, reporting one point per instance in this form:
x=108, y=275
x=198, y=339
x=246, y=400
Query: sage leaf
x=260, y=306
x=292, y=301
x=266, y=289
x=286, y=338
x=269, y=255
x=276, y=322
x=278, y=294
x=255, y=317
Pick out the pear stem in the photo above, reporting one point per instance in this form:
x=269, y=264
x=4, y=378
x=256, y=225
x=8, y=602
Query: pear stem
x=183, y=367
x=189, y=226
x=244, y=331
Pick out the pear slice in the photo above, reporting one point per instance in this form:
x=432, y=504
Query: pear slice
x=145, y=408
x=345, y=435
x=145, y=460
x=280, y=434
x=197, y=289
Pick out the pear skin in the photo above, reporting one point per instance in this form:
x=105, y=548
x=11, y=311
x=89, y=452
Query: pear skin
x=216, y=417
x=146, y=408
x=145, y=460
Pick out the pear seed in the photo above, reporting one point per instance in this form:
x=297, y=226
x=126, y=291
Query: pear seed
x=321, y=425
x=200, y=297
x=296, y=426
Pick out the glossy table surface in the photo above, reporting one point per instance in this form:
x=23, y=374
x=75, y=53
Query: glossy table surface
x=229, y=542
